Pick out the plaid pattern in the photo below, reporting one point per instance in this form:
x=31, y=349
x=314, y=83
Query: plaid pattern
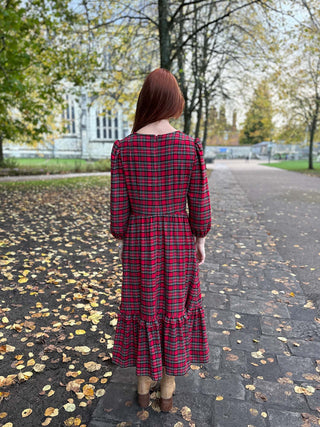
x=161, y=320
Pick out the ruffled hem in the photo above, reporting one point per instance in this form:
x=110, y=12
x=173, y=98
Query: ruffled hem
x=173, y=343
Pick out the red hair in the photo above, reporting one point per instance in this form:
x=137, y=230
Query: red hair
x=160, y=98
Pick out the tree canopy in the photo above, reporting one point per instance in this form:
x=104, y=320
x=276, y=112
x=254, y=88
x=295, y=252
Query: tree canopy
x=258, y=122
x=42, y=46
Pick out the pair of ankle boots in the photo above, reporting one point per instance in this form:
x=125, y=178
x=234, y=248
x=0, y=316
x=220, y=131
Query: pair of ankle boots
x=167, y=389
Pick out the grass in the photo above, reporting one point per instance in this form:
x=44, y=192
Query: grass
x=297, y=166
x=38, y=166
x=79, y=182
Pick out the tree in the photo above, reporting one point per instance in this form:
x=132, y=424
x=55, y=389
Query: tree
x=258, y=122
x=196, y=40
x=41, y=48
x=299, y=75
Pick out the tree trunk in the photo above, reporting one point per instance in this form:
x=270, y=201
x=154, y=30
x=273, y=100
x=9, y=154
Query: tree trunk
x=313, y=129
x=187, y=121
x=164, y=34
x=312, y=132
x=1, y=151
x=206, y=119
x=199, y=114
x=182, y=81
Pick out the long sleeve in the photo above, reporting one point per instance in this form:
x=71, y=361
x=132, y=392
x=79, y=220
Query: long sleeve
x=119, y=199
x=198, y=195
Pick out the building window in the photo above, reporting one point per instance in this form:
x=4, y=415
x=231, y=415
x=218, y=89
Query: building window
x=106, y=125
x=125, y=129
x=68, y=116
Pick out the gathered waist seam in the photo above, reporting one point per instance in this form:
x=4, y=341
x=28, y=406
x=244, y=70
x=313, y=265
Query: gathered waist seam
x=176, y=213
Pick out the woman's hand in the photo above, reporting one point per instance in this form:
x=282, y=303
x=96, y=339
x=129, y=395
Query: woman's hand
x=200, y=251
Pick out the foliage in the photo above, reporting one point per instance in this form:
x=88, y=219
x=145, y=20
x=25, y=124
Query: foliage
x=42, y=48
x=298, y=76
x=258, y=122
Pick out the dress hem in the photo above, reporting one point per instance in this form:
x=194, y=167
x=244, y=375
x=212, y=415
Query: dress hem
x=175, y=343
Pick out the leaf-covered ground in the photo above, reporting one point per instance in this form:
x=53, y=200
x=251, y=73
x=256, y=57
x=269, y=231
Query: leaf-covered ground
x=60, y=291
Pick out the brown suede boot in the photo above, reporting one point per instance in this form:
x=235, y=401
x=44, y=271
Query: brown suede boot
x=145, y=383
x=167, y=389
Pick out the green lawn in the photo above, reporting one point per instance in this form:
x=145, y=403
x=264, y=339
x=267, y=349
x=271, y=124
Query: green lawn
x=78, y=182
x=15, y=166
x=297, y=166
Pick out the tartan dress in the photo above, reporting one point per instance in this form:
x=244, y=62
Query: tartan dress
x=161, y=321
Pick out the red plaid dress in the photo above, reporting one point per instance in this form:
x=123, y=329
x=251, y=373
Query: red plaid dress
x=161, y=320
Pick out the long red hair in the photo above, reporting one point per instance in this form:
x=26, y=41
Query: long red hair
x=160, y=98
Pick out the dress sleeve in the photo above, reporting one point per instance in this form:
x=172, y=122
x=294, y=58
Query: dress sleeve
x=119, y=199
x=198, y=195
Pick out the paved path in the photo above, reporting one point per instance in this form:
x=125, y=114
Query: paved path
x=49, y=177
x=288, y=204
x=264, y=334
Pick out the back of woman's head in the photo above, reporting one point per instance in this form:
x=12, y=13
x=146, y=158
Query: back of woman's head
x=160, y=98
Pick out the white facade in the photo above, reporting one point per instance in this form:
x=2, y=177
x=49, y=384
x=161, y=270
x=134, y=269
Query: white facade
x=89, y=133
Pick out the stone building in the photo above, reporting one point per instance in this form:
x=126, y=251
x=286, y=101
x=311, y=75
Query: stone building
x=90, y=132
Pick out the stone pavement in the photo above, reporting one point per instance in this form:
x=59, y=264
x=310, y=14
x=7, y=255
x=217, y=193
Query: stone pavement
x=264, y=335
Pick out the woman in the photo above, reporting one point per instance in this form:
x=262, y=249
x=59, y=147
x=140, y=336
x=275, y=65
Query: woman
x=161, y=325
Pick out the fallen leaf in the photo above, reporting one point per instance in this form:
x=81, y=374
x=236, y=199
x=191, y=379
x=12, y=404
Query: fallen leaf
x=51, y=412
x=26, y=412
x=186, y=413
x=143, y=415
x=69, y=407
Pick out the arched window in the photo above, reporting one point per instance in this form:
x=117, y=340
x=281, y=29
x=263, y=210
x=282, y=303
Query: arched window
x=68, y=116
x=107, y=125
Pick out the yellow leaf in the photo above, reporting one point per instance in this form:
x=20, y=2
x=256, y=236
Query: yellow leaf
x=195, y=367
x=31, y=362
x=250, y=387
x=239, y=325
x=114, y=322
x=69, y=407
x=46, y=422
x=23, y=280
x=3, y=414
x=219, y=398
x=92, y=366
x=39, y=367
x=257, y=354
x=26, y=412
x=51, y=412
x=88, y=391
x=186, y=413
x=100, y=392
x=80, y=332
x=83, y=349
